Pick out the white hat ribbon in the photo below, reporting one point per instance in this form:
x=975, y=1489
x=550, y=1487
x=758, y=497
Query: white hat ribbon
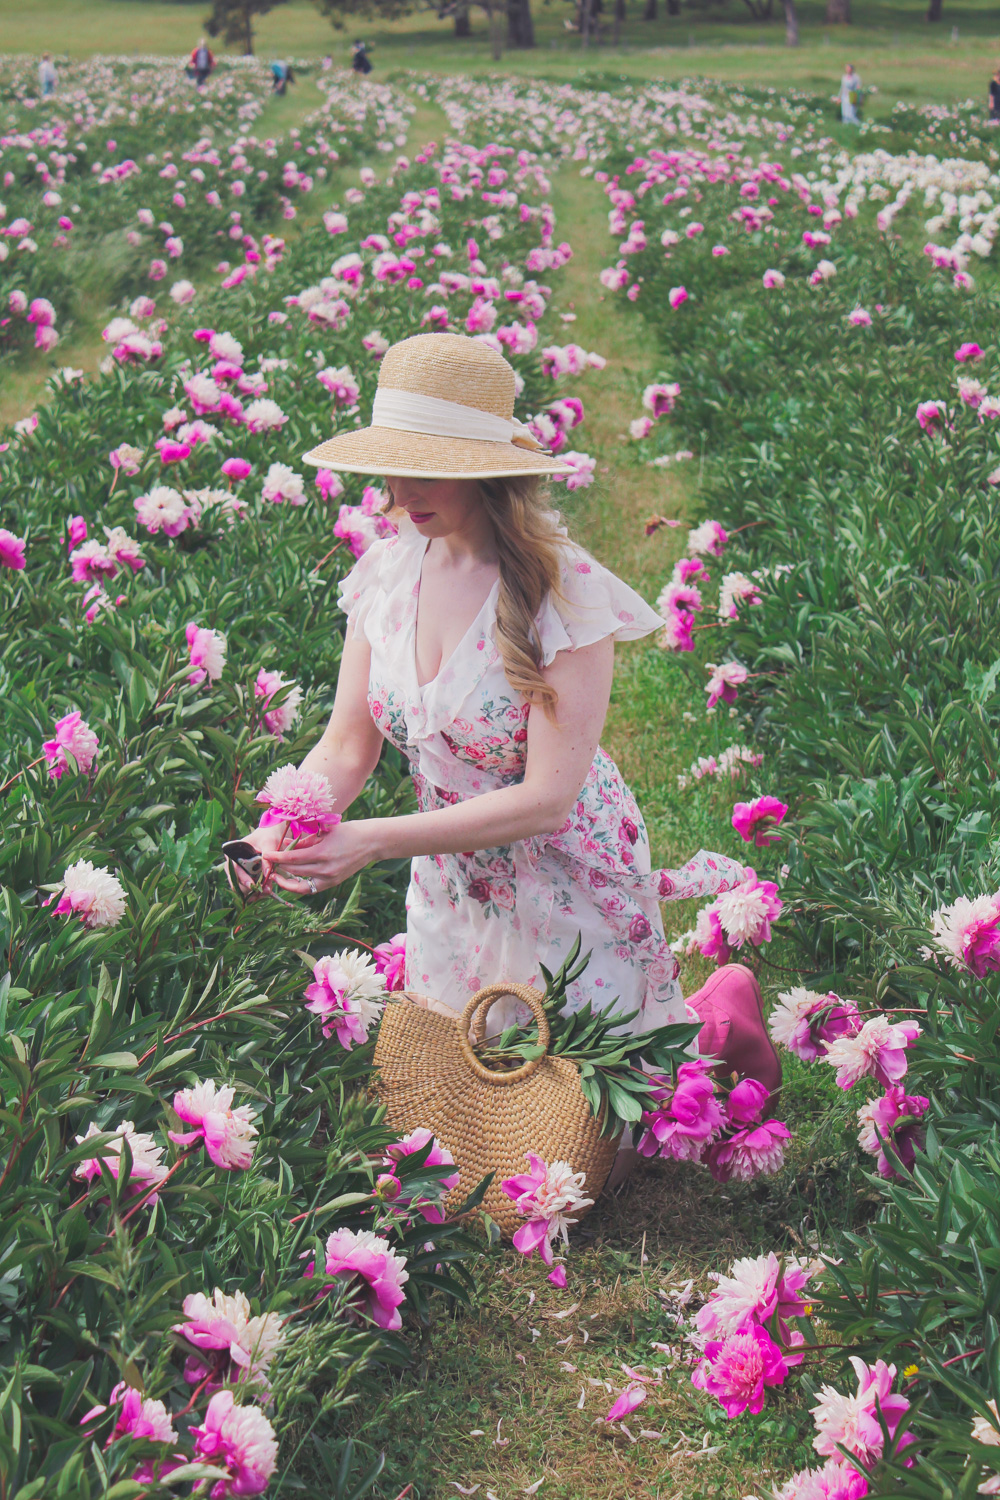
x=407, y=411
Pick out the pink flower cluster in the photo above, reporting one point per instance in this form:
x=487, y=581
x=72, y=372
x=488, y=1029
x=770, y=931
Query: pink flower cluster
x=360, y=525
x=693, y=1121
x=750, y=1313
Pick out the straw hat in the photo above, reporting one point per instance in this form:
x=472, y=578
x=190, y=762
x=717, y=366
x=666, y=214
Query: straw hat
x=444, y=409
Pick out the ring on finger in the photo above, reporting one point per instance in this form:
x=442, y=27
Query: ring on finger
x=310, y=882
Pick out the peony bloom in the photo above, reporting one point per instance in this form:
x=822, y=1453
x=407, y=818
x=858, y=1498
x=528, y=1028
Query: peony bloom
x=804, y=1022
x=660, y=399
x=724, y=681
x=879, y=1048
x=687, y=1115
x=136, y=1417
x=756, y=1151
x=126, y=457
x=835, y=1481
x=162, y=509
x=708, y=538
x=281, y=484
x=747, y=911
x=240, y=1440
x=11, y=549
x=237, y=468
x=757, y=1289
x=972, y=392
x=968, y=351
x=734, y=590
x=638, y=429
x=773, y=280
x=228, y=1133
x=242, y=1346
x=74, y=737
x=968, y=933
x=677, y=295
x=860, y=318
x=374, y=1273
x=123, y=550
x=896, y=1119
x=183, y=292
x=76, y=531
x=329, y=484
x=147, y=1158
x=280, y=718
x=431, y=1198
x=348, y=993
x=853, y=1422
x=755, y=821
x=341, y=383
x=264, y=415
x=545, y=1196
x=302, y=799
x=207, y=652
x=390, y=962
x=931, y=416
x=95, y=896
x=91, y=561
x=736, y=1370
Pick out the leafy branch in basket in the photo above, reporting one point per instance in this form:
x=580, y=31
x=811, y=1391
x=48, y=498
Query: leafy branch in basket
x=617, y=1070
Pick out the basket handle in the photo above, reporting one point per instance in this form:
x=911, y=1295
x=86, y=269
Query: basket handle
x=482, y=1002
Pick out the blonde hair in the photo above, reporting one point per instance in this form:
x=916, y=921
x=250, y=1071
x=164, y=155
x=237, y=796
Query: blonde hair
x=529, y=543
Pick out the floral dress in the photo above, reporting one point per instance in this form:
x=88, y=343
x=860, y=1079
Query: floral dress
x=491, y=914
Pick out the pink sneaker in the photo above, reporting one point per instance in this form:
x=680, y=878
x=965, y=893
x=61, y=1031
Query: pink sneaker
x=731, y=1012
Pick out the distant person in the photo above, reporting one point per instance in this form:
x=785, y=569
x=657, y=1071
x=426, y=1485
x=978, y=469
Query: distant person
x=850, y=96
x=995, y=97
x=202, y=63
x=47, y=75
x=281, y=77
x=360, y=61
x=327, y=63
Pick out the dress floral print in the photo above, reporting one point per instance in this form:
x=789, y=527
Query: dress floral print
x=493, y=914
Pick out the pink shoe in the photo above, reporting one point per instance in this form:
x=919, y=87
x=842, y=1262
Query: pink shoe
x=732, y=1015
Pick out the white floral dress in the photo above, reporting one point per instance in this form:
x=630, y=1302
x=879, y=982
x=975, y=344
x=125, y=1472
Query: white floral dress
x=492, y=914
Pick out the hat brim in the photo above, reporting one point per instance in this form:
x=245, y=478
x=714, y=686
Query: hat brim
x=418, y=455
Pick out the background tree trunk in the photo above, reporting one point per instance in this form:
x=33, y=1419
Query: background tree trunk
x=838, y=12
x=649, y=14
x=496, y=41
x=934, y=10
x=462, y=26
x=673, y=7
x=791, y=24
x=248, y=22
x=619, y=20
x=520, y=27
x=585, y=23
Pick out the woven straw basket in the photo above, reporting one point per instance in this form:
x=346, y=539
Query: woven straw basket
x=428, y=1075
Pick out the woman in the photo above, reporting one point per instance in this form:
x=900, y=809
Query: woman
x=481, y=644
x=994, y=100
x=850, y=96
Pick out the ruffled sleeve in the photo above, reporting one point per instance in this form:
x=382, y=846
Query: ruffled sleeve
x=595, y=604
x=365, y=584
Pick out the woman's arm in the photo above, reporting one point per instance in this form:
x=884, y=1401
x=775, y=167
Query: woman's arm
x=559, y=758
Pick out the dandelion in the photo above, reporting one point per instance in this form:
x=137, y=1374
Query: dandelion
x=348, y=994
x=545, y=1196
x=241, y=1441
x=227, y=1133
x=73, y=737
x=302, y=799
x=94, y=895
x=374, y=1274
x=207, y=653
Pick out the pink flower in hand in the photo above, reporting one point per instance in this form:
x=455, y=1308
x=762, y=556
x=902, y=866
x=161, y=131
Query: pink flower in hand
x=755, y=821
x=879, y=1049
x=545, y=1196
x=687, y=1115
x=228, y=1133
x=302, y=799
x=375, y=1274
x=240, y=1440
x=736, y=1370
x=74, y=737
x=852, y=1422
x=390, y=962
x=747, y=910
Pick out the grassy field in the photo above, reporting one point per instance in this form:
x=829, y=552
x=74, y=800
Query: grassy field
x=892, y=45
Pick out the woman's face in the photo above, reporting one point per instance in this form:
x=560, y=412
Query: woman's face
x=438, y=507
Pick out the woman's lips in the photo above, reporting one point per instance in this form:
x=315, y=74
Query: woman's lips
x=421, y=516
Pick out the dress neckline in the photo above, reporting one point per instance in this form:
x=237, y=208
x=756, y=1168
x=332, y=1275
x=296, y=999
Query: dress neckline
x=475, y=625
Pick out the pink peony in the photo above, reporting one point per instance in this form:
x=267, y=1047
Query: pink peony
x=660, y=399
x=804, y=1022
x=756, y=1151
x=707, y=539
x=42, y=313
x=240, y=1440
x=348, y=993
x=136, y=1417
x=892, y=1120
x=76, y=531
x=756, y=1290
x=736, y=1370
x=241, y=1346
x=853, y=1422
x=95, y=896
x=724, y=681
x=342, y=385
x=282, y=484
x=431, y=1198
x=677, y=295
x=931, y=416
x=148, y=1168
x=127, y=458
x=374, y=1272
x=968, y=351
x=123, y=549
x=74, y=737
x=835, y=1481
x=755, y=821
x=227, y=1133
x=207, y=652
x=746, y=1102
x=879, y=1049
x=545, y=1196
x=91, y=561
x=773, y=281
x=860, y=317
x=390, y=962
x=162, y=509
x=968, y=933
x=302, y=799
x=282, y=716
x=237, y=468
x=747, y=911
x=11, y=549
x=687, y=1115
x=329, y=484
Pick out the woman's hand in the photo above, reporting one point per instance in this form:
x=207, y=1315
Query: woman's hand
x=318, y=864
x=267, y=841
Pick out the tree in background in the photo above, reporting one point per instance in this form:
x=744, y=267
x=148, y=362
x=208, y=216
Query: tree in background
x=233, y=20
x=520, y=26
x=838, y=12
x=791, y=24
x=391, y=10
x=934, y=10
